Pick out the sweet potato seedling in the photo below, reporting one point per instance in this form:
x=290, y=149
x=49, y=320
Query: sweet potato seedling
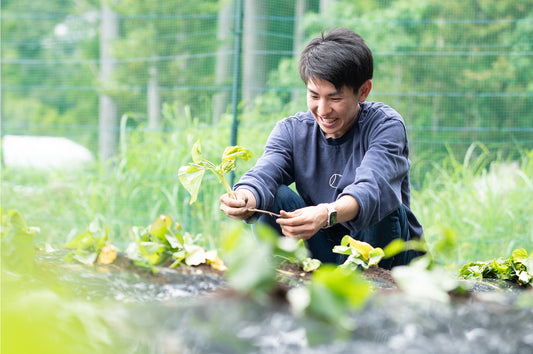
x=192, y=174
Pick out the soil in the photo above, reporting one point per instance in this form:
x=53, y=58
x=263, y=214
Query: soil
x=289, y=274
x=374, y=272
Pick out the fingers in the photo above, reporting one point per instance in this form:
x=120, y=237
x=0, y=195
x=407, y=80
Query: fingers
x=302, y=223
x=236, y=206
x=233, y=202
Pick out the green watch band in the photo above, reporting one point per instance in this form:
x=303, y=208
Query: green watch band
x=332, y=215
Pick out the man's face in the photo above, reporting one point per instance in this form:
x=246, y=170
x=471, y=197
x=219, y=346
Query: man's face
x=334, y=110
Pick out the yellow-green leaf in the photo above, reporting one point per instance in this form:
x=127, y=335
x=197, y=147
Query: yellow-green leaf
x=196, y=152
x=191, y=178
x=394, y=247
x=160, y=227
x=230, y=155
x=363, y=248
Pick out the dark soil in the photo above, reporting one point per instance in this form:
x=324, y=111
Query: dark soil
x=289, y=274
x=293, y=271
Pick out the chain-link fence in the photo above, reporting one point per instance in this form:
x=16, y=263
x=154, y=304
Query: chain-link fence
x=459, y=72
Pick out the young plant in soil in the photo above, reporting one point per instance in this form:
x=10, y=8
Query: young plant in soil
x=360, y=254
x=518, y=268
x=92, y=246
x=16, y=242
x=363, y=255
x=192, y=174
x=164, y=242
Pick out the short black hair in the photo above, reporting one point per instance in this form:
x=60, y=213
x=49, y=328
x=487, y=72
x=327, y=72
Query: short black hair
x=340, y=57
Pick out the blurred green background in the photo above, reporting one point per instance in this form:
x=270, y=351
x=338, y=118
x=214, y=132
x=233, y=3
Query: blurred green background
x=137, y=82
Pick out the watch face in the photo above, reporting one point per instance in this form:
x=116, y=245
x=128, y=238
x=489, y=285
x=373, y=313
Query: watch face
x=332, y=218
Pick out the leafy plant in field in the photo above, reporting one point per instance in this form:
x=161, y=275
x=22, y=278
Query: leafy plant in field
x=295, y=253
x=363, y=255
x=163, y=242
x=254, y=260
x=91, y=246
x=331, y=294
x=252, y=263
x=16, y=242
x=518, y=268
x=191, y=175
x=424, y=279
x=360, y=254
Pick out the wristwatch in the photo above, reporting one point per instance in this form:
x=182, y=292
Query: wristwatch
x=332, y=215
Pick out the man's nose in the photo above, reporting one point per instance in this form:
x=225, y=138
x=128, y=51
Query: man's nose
x=323, y=108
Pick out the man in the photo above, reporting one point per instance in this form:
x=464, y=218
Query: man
x=348, y=160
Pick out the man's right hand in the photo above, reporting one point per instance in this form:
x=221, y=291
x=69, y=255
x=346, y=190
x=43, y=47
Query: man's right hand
x=237, y=205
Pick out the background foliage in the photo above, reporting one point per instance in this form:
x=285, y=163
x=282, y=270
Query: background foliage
x=458, y=71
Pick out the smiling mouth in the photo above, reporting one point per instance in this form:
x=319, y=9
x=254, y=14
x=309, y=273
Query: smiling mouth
x=327, y=120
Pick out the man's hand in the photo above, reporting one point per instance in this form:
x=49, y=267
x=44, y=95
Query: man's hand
x=237, y=206
x=303, y=223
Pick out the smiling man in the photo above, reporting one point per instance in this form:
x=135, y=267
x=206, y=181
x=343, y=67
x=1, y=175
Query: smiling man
x=348, y=160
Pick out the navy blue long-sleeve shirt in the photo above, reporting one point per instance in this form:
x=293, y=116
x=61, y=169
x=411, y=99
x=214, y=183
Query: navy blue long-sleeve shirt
x=370, y=162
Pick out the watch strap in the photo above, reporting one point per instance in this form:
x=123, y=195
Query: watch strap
x=332, y=215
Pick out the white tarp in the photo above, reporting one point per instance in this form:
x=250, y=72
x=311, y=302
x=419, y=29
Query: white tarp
x=44, y=152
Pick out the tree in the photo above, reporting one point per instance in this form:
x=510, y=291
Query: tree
x=254, y=49
x=108, y=110
x=225, y=53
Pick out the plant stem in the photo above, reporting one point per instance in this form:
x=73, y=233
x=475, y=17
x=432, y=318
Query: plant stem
x=227, y=187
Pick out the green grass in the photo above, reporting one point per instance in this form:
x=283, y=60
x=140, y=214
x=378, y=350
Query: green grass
x=476, y=207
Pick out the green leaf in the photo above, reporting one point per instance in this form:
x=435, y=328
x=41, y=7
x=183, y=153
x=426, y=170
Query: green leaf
x=161, y=226
x=88, y=245
x=394, y=247
x=154, y=252
x=520, y=256
x=336, y=291
x=342, y=249
x=376, y=255
x=311, y=264
x=230, y=155
x=251, y=267
x=86, y=257
x=173, y=240
x=191, y=178
x=196, y=152
x=418, y=281
x=17, y=243
x=524, y=278
x=195, y=255
x=346, y=240
x=353, y=261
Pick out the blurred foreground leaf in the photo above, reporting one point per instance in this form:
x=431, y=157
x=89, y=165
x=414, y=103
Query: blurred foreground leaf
x=17, y=243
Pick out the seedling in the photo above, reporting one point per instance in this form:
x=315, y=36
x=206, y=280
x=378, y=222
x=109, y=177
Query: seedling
x=165, y=242
x=518, y=269
x=16, y=242
x=359, y=253
x=91, y=246
x=192, y=174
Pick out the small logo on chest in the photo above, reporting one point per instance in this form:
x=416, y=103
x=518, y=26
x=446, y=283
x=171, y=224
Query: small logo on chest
x=334, y=180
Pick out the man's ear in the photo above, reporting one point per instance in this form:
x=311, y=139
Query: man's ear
x=364, y=90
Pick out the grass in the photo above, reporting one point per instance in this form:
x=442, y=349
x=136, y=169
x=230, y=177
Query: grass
x=476, y=207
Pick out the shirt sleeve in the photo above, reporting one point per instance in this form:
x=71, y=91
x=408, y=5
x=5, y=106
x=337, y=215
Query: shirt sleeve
x=272, y=169
x=378, y=180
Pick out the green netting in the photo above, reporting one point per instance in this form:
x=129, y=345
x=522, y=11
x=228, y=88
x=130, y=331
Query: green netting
x=460, y=72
